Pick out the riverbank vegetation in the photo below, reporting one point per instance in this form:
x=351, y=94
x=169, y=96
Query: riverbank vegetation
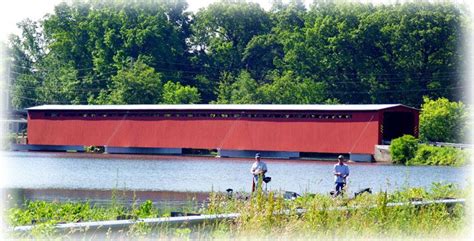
x=271, y=215
x=441, y=120
x=408, y=150
x=151, y=52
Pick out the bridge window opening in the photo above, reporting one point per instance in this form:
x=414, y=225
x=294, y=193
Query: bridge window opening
x=202, y=115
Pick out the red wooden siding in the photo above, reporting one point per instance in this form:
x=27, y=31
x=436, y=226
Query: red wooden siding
x=358, y=134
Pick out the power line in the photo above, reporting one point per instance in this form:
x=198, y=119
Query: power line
x=396, y=91
x=157, y=67
x=395, y=76
x=361, y=81
x=334, y=92
x=42, y=101
x=388, y=75
x=77, y=77
x=155, y=61
x=82, y=88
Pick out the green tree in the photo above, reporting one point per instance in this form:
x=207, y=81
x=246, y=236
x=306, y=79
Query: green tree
x=139, y=84
x=288, y=17
x=244, y=89
x=338, y=51
x=222, y=30
x=68, y=41
x=442, y=120
x=95, y=39
x=25, y=50
x=24, y=92
x=224, y=90
x=260, y=55
x=372, y=54
x=206, y=87
x=59, y=82
x=28, y=48
x=425, y=48
x=290, y=89
x=175, y=93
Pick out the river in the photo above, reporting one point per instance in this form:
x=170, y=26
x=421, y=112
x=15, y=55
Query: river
x=83, y=171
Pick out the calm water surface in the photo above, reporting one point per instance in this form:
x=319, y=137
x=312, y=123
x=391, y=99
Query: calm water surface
x=37, y=170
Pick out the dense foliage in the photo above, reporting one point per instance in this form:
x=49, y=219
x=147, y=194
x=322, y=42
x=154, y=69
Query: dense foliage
x=268, y=216
x=403, y=149
x=436, y=155
x=407, y=150
x=443, y=121
x=440, y=121
x=113, y=52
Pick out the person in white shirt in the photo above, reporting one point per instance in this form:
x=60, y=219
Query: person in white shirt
x=341, y=171
x=258, y=170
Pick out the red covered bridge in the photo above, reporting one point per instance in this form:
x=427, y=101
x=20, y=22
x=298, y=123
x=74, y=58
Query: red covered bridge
x=233, y=130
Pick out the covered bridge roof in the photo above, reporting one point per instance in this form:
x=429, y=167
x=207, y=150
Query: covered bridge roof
x=266, y=107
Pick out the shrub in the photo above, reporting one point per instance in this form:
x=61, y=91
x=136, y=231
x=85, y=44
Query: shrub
x=442, y=120
x=94, y=149
x=403, y=149
x=434, y=155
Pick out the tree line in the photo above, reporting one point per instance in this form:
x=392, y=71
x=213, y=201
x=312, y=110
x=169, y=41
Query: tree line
x=155, y=51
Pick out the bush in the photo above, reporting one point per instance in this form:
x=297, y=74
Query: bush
x=434, y=155
x=403, y=149
x=442, y=120
x=94, y=149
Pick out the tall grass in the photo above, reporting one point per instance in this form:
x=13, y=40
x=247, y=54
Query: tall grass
x=269, y=216
x=367, y=215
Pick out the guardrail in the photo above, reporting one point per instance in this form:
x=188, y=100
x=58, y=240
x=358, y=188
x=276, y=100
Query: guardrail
x=118, y=224
x=456, y=145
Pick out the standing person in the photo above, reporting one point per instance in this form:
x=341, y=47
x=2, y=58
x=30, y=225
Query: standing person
x=341, y=171
x=258, y=170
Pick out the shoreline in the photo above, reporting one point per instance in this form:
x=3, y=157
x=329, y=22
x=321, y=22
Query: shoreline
x=101, y=196
x=144, y=156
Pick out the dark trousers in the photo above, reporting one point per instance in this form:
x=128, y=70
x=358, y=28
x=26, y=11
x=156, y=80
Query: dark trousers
x=339, y=186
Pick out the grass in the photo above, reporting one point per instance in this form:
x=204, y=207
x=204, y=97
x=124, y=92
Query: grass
x=271, y=217
x=39, y=212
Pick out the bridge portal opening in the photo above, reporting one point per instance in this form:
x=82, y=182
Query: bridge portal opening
x=397, y=124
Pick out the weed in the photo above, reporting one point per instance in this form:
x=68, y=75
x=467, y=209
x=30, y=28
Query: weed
x=269, y=214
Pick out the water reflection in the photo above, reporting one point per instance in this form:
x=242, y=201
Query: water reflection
x=106, y=197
